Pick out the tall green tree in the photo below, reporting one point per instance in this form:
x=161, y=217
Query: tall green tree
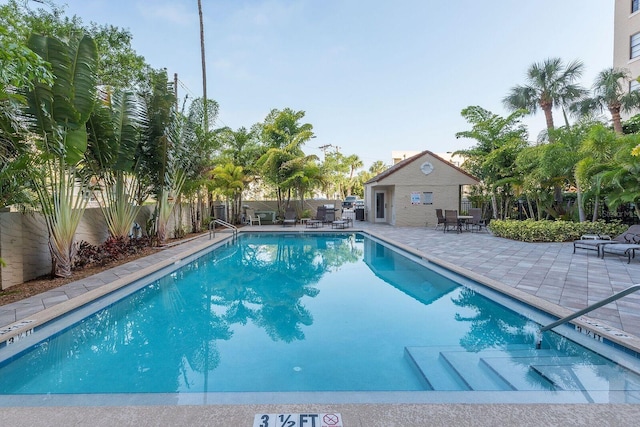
x=119, y=65
x=597, y=151
x=621, y=177
x=21, y=70
x=304, y=176
x=335, y=168
x=354, y=163
x=499, y=140
x=230, y=181
x=202, y=145
x=550, y=84
x=378, y=167
x=609, y=92
x=283, y=135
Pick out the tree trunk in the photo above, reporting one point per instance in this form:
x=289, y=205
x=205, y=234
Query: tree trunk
x=199, y=210
x=581, y=215
x=62, y=260
x=494, y=205
x=531, y=213
x=548, y=115
x=616, y=119
x=596, y=208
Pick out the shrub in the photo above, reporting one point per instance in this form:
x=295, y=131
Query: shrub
x=552, y=231
x=112, y=249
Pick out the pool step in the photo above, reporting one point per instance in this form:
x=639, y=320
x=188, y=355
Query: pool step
x=434, y=373
x=516, y=368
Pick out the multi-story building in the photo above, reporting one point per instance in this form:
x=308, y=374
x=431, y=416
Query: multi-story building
x=626, y=40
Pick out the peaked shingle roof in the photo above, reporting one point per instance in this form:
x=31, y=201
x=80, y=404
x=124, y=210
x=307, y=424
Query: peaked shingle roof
x=412, y=159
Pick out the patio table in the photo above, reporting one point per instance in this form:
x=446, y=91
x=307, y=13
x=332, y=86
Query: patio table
x=463, y=220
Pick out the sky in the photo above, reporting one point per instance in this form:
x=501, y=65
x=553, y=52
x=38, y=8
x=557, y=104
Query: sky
x=372, y=76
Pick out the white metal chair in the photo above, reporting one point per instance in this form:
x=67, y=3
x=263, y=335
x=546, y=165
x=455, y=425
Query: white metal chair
x=252, y=217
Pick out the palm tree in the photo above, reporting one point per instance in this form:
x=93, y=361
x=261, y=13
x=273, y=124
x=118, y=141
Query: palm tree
x=204, y=67
x=304, y=175
x=230, y=180
x=354, y=163
x=597, y=149
x=284, y=136
x=550, y=84
x=377, y=167
x=609, y=92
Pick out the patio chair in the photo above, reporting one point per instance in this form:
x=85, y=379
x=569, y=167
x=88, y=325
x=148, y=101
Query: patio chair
x=252, y=217
x=289, y=217
x=596, y=242
x=626, y=249
x=318, y=221
x=476, y=221
x=440, y=218
x=451, y=220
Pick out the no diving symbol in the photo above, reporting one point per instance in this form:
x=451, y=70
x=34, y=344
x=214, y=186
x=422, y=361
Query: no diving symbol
x=330, y=419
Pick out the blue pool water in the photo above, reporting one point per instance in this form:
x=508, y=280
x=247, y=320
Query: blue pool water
x=307, y=312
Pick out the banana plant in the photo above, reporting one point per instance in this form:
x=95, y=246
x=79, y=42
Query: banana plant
x=173, y=174
x=57, y=114
x=114, y=130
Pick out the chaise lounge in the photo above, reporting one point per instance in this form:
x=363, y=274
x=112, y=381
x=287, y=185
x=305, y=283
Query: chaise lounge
x=318, y=221
x=597, y=242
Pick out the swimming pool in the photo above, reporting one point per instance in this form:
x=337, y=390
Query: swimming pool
x=321, y=313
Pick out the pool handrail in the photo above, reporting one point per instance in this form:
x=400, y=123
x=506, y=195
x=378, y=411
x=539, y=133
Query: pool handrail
x=212, y=227
x=586, y=310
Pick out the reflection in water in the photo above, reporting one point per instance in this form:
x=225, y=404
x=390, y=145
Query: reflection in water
x=488, y=327
x=182, y=318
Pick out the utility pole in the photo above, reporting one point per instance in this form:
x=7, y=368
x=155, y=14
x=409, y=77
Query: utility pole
x=204, y=70
x=324, y=149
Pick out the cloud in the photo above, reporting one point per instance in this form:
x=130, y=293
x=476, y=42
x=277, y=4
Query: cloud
x=173, y=13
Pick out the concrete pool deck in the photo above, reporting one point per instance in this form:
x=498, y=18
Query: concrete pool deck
x=545, y=272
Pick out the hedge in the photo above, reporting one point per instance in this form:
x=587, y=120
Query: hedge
x=552, y=231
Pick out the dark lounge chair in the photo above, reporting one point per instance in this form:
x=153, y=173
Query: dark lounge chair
x=626, y=249
x=289, y=217
x=318, y=221
x=597, y=242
